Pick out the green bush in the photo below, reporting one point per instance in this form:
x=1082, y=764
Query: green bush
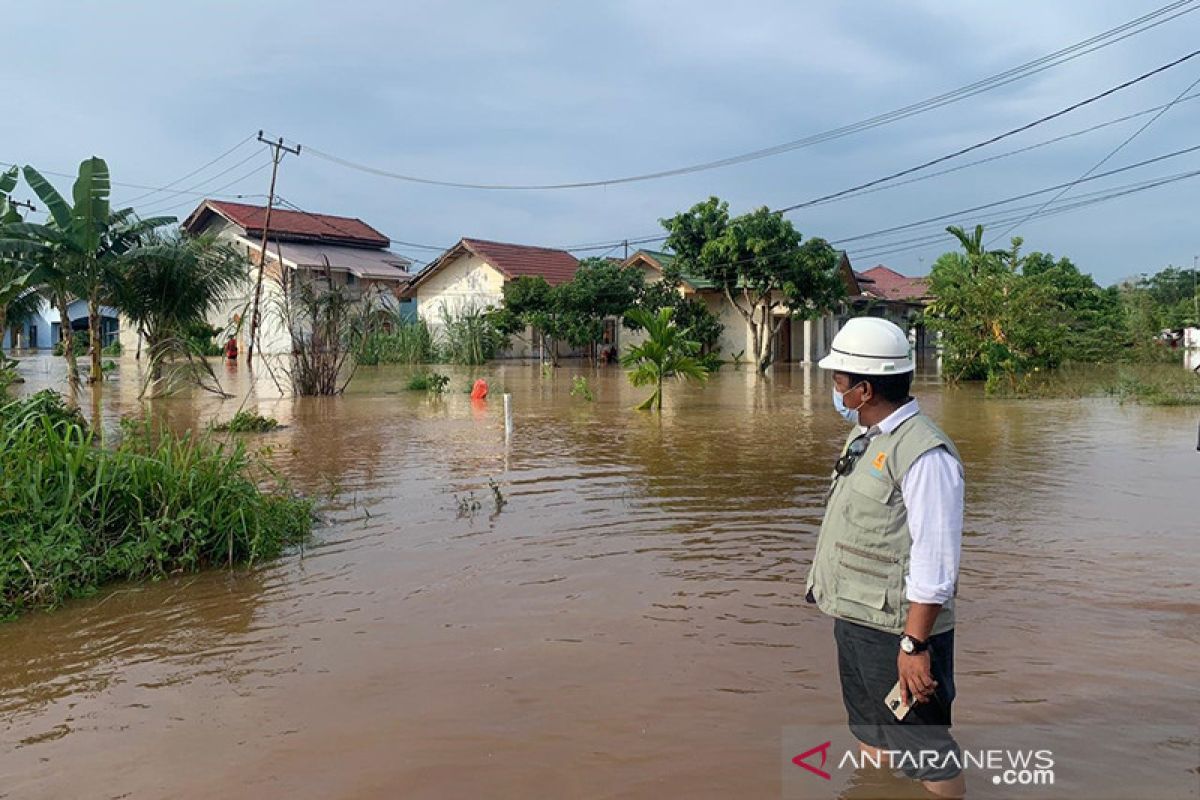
x=248, y=422
x=432, y=382
x=76, y=514
x=81, y=344
x=199, y=336
x=114, y=349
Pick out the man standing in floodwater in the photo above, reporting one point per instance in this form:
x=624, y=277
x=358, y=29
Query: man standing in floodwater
x=886, y=563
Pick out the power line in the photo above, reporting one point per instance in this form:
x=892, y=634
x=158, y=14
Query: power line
x=1133, y=27
x=1022, y=196
x=1104, y=160
x=226, y=171
x=217, y=191
x=878, y=184
x=1074, y=205
x=937, y=232
x=196, y=171
x=324, y=220
x=1013, y=132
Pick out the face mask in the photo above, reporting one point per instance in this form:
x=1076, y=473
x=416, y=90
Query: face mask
x=839, y=403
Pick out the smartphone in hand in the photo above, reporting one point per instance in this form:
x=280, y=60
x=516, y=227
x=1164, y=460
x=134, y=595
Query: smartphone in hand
x=895, y=703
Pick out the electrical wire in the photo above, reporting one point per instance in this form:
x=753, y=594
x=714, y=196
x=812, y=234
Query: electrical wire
x=196, y=171
x=1104, y=160
x=1155, y=18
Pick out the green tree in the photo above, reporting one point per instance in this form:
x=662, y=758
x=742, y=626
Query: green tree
x=996, y=322
x=760, y=263
x=87, y=240
x=666, y=353
x=169, y=285
x=530, y=301
x=600, y=290
x=689, y=313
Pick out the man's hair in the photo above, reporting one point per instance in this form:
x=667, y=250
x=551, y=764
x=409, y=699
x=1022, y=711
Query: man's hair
x=892, y=388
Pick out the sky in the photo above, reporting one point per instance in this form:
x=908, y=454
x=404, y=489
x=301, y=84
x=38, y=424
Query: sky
x=556, y=92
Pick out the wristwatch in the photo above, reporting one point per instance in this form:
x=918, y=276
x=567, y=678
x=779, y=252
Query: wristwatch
x=912, y=645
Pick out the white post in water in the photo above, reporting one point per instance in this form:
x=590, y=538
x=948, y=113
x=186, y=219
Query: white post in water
x=508, y=425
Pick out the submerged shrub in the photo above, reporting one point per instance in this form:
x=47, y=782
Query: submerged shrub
x=76, y=514
x=432, y=382
x=248, y=422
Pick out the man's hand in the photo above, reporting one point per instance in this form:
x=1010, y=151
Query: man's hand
x=916, y=678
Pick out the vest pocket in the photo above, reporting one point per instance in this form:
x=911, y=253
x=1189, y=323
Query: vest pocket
x=869, y=585
x=867, y=503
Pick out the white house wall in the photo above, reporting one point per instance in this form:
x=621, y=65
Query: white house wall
x=465, y=283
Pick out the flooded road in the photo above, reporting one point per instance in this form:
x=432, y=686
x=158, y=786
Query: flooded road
x=630, y=623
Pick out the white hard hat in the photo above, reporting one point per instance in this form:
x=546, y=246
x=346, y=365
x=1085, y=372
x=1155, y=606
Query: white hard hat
x=869, y=346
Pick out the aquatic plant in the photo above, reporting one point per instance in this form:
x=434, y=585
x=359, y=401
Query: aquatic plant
x=76, y=513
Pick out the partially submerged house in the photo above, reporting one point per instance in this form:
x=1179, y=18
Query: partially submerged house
x=798, y=340
x=470, y=276
x=345, y=251
x=886, y=293
x=44, y=329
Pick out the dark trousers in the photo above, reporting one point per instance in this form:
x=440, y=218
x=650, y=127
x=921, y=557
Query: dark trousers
x=867, y=666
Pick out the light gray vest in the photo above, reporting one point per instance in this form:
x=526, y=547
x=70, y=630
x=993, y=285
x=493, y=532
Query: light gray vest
x=858, y=571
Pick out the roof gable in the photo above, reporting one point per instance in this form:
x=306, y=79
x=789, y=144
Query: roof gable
x=517, y=260
x=286, y=225
x=891, y=285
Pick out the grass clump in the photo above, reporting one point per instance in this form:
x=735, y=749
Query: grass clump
x=76, y=514
x=1178, y=388
x=408, y=342
x=432, y=382
x=248, y=422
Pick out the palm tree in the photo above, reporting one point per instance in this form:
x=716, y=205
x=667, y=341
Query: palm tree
x=170, y=283
x=666, y=353
x=88, y=240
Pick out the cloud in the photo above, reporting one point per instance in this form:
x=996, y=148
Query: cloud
x=535, y=92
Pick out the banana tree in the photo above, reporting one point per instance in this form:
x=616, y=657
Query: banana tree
x=88, y=241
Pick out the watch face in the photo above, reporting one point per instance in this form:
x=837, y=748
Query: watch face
x=906, y=644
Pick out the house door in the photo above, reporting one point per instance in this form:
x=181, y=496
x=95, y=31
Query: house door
x=783, y=341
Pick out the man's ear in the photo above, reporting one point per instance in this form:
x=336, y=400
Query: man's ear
x=868, y=392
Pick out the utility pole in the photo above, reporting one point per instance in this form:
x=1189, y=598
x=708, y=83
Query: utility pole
x=278, y=149
x=626, y=249
x=1195, y=296
x=25, y=204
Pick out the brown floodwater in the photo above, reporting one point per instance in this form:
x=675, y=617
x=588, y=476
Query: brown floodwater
x=630, y=623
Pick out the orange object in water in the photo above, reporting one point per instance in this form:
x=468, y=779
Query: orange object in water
x=479, y=390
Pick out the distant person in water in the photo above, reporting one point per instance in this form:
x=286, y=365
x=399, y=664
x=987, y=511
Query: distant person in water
x=231, y=349
x=887, y=557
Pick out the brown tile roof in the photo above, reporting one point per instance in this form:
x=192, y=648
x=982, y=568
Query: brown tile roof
x=288, y=225
x=515, y=260
x=891, y=285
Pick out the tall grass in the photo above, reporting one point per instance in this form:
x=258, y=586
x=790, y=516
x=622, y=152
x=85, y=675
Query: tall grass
x=408, y=342
x=471, y=337
x=76, y=514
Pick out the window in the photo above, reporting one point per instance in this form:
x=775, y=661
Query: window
x=351, y=279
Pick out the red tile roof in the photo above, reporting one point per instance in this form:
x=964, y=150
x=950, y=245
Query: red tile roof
x=515, y=260
x=288, y=225
x=891, y=285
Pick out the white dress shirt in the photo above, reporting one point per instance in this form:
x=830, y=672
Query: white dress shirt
x=933, y=495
